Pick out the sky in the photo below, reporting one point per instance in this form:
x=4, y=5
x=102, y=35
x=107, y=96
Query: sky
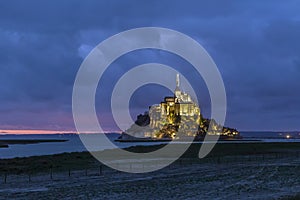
x=255, y=45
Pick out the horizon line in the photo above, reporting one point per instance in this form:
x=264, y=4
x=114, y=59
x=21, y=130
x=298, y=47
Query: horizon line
x=44, y=131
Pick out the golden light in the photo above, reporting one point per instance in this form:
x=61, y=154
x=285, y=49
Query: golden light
x=287, y=136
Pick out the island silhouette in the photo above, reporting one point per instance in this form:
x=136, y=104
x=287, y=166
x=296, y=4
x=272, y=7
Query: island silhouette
x=177, y=117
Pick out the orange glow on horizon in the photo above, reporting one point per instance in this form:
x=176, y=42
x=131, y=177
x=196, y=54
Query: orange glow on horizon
x=34, y=131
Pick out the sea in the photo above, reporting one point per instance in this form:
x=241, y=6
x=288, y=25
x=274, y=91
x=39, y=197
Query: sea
x=74, y=144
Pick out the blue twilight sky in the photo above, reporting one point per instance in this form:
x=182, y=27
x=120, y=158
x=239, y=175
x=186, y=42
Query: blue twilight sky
x=255, y=44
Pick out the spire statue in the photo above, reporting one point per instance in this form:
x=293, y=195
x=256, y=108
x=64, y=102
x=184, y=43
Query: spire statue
x=177, y=80
x=177, y=91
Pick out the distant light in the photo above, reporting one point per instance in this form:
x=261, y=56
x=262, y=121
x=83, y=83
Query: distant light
x=288, y=136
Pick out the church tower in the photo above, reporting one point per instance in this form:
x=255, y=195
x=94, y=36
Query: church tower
x=177, y=91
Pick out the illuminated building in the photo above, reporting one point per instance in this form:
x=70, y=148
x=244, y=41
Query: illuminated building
x=176, y=117
x=178, y=113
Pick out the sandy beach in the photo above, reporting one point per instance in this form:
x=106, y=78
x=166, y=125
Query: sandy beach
x=268, y=173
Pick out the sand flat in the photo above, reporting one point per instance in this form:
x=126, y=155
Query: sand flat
x=233, y=180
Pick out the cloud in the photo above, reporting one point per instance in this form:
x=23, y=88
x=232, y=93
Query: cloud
x=254, y=44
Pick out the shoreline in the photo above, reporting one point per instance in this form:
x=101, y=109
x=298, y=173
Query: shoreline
x=230, y=171
x=51, y=143
x=72, y=159
x=195, y=141
x=6, y=142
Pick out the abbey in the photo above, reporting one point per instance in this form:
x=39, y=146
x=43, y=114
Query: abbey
x=178, y=112
x=176, y=117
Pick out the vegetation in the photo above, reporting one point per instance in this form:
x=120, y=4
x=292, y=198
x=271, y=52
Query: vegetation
x=82, y=160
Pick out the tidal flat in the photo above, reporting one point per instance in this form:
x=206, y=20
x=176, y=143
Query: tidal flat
x=230, y=171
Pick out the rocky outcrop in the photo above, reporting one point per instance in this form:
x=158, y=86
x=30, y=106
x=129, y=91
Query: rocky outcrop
x=178, y=130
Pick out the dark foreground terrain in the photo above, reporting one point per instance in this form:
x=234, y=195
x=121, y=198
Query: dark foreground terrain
x=231, y=171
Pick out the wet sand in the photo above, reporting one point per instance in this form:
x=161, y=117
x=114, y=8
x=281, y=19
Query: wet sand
x=243, y=171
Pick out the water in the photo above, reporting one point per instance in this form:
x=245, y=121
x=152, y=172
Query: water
x=74, y=143
x=270, y=135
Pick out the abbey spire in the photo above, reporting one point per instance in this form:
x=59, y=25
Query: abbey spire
x=177, y=91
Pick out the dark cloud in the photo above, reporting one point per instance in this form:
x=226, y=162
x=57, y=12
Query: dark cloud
x=255, y=44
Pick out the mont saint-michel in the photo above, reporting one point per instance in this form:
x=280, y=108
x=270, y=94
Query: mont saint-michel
x=177, y=117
